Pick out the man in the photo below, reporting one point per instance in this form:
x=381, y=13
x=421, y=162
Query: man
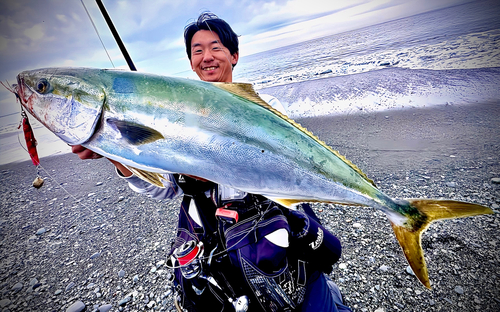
x=236, y=251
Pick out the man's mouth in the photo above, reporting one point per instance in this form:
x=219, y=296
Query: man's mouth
x=209, y=68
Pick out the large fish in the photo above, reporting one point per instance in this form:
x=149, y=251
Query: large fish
x=220, y=132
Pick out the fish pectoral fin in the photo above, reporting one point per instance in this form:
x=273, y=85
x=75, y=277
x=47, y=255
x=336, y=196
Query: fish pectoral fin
x=135, y=133
x=151, y=177
x=409, y=234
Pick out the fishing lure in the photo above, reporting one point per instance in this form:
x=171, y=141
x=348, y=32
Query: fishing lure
x=29, y=136
x=31, y=144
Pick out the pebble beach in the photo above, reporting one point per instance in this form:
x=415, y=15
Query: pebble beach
x=85, y=241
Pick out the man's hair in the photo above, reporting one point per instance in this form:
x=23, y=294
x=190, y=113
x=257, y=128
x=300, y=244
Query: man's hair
x=211, y=22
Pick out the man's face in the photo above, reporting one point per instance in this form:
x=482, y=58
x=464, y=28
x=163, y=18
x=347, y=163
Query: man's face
x=210, y=59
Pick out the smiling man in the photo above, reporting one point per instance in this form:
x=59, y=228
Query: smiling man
x=236, y=251
x=212, y=49
x=210, y=59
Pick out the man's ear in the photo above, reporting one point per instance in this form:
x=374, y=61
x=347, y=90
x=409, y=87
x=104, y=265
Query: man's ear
x=234, y=58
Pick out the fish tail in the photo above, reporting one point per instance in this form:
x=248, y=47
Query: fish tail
x=430, y=210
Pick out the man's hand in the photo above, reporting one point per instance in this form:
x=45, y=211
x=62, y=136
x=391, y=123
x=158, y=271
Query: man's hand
x=84, y=153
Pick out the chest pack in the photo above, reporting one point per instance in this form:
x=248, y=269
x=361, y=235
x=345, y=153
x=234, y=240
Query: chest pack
x=242, y=252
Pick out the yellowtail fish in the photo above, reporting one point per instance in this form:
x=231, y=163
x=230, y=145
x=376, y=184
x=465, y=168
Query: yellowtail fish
x=222, y=132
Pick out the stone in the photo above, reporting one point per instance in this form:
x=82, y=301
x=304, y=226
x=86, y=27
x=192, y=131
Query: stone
x=4, y=303
x=121, y=273
x=409, y=270
x=384, y=268
x=451, y=184
x=70, y=285
x=495, y=180
x=343, y=266
x=58, y=292
x=96, y=255
x=356, y=225
x=78, y=306
x=459, y=290
x=136, y=278
x=41, y=231
x=124, y=301
x=105, y=308
x=380, y=310
x=17, y=287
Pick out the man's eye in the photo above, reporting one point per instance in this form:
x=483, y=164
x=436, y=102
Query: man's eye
x=197, y=51
x=216, y=48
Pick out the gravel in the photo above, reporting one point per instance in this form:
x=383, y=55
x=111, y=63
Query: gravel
x=104, y=246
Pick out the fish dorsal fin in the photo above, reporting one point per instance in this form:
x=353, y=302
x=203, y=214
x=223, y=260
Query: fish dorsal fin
x=135, y=133
x=246, y=91
x=151, y=177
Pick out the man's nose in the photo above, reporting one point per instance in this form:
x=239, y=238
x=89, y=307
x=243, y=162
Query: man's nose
x=207, y=56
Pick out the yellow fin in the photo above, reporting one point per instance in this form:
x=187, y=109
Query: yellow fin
x=151, y=177
x=290, y=203
x=246, y=91
x=409, y=235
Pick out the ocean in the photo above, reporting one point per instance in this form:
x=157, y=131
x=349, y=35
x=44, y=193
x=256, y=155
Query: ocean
x=444, y=57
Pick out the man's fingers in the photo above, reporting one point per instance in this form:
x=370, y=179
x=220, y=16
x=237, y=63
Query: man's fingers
x=77, y=149
x=84, y=153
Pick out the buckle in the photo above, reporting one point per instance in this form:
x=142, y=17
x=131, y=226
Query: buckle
x=226, y=214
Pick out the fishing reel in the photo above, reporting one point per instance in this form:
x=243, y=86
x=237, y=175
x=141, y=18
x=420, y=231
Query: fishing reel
x=189, y=259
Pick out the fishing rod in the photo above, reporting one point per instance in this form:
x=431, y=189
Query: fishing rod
x=116, y=35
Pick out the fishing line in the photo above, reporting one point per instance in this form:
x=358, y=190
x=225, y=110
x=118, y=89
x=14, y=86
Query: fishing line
x=97, y=32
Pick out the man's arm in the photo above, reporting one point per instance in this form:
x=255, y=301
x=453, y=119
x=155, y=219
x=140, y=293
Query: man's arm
x=134, y=182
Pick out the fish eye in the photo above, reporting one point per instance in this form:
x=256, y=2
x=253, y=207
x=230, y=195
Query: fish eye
x=42, y=86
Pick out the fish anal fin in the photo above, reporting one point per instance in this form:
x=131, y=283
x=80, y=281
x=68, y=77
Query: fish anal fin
x=151, y=177
x=292, y=202
x=288, y=203
x=135, y=133
x=409, y=233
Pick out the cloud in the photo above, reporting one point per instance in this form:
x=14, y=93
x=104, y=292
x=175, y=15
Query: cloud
x=35, y=33
x=62, y=18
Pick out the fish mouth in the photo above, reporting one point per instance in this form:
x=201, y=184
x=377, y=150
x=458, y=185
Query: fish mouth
x=20, y=90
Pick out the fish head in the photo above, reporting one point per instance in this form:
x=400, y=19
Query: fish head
x=68, y=101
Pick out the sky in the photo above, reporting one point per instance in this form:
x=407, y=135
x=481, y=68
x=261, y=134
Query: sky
x=58, y=33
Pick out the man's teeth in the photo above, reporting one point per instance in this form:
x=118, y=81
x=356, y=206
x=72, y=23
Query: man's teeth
x=210, y=68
